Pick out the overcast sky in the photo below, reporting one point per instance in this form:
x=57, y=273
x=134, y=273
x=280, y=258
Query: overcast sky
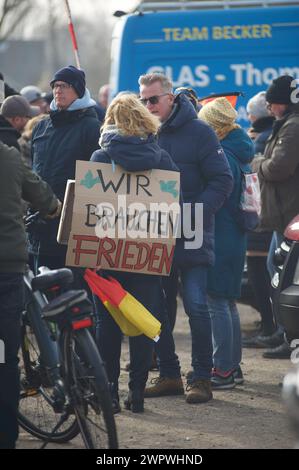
x=92, y=9
x=88, y=6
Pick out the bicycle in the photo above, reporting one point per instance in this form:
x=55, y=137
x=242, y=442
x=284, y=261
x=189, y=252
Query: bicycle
x=64, y=387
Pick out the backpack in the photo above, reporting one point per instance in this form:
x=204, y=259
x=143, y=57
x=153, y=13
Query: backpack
x=249, y=208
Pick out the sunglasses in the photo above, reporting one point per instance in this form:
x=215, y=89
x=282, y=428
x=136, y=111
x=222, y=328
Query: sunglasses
x=152, y=99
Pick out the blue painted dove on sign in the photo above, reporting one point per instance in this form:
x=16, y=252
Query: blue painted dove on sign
x=169, y=187
x=89, y=181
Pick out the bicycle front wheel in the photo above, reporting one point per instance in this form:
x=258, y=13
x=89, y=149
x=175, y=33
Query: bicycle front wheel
x=89, y=390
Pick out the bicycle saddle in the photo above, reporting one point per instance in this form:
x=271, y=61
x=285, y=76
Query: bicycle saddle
x=64, y=302
x=49, y=279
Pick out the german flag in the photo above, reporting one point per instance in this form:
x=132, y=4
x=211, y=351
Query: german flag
x=130, y=315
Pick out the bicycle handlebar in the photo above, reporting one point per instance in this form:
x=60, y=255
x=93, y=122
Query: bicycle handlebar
x=32, y=221
x=29, y=219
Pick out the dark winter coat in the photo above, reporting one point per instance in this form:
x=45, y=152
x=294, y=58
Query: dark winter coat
x=18, y=182
x=257, y=240
x=8, y=134
x=224, y=278
x=133, y=153
x=278, y=172
x=57, y=143
x=263, y=127
x=205, y=174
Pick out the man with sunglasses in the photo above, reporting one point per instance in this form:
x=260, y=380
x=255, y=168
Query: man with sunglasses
x=206, y=179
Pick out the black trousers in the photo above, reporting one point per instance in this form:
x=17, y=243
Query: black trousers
x=11, y=305
x=259, y=278
x=147, y=289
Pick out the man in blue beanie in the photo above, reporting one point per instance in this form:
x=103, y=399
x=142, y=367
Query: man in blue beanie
x=70, y=133
x=71, y=76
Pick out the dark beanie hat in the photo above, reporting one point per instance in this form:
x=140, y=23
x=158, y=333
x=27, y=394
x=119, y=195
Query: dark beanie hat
x=279, y=92
x=190, y=93
x=73, y=76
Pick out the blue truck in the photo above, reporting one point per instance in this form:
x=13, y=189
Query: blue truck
x=212, y=46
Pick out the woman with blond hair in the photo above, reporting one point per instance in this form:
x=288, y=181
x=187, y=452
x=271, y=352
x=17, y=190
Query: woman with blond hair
x=224, y=278
x=128, y=140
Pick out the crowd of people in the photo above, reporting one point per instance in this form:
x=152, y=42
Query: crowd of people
x=42, y=135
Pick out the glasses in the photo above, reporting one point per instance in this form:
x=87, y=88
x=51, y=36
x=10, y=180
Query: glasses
x=62, y=86
x=152, y=99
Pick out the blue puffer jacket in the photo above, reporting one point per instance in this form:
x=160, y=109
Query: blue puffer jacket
x=224, y=278
x=133, y=153
x=57, y=143
x=205, y=174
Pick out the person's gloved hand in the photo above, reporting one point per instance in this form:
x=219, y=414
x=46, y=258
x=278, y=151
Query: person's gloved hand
x=57, y=211
x=252, y=133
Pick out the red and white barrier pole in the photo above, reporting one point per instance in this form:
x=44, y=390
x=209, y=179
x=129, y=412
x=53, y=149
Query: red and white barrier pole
x=72, y=33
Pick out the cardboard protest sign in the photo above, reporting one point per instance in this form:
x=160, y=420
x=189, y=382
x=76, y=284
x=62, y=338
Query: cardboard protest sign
x=65, y=223
x=124, y=221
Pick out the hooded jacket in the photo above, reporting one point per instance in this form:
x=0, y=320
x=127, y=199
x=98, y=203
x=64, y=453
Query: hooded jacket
x=133, y=153
x=224, y=278
x=205, y=174
x=57, y=143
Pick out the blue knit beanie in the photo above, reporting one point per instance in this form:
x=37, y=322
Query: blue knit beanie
x=73, y=76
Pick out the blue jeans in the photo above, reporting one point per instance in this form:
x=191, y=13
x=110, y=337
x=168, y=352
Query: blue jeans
x=11, y=301
x=194, y=283
x=226, y=334
x=148, y=290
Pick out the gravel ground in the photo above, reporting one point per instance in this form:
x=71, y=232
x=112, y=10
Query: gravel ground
x=249, y=416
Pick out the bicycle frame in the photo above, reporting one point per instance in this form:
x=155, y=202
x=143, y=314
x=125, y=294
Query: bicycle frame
x=49, y=352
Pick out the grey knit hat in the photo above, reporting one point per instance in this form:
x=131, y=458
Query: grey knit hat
x=31, y=93
x=257, y=105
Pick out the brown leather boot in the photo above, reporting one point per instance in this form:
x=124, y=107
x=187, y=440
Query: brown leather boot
x=199, y=391
x=163, y=386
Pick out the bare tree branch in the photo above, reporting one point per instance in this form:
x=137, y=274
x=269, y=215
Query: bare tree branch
x=12, y=13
